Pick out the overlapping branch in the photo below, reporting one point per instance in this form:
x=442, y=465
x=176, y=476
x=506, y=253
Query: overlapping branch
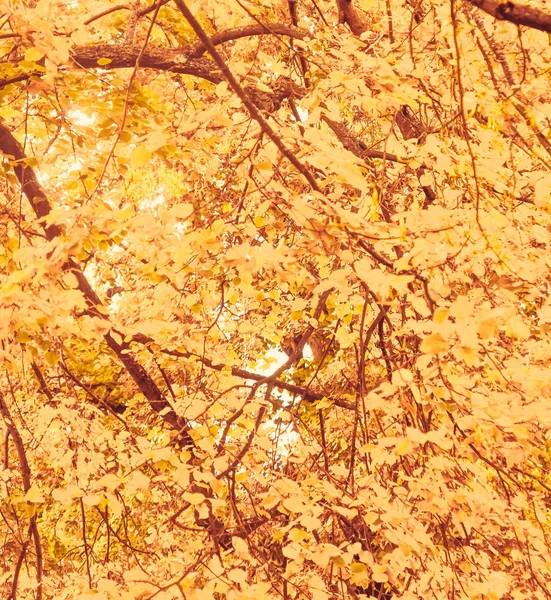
x=25, y=471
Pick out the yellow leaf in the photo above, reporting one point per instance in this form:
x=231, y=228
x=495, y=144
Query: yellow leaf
x=125, y=213
x=403, y=447
x=22, y=337
x=140, y=156
x=79, y=36
x=222, y=120
x=270, y=501
x=70, y=280
x=182, y=211
x=110, y=481
x=290, y=552
x=440, y=315
x=297, y=535
x=516, y=328
x=402, y=377
x=240, y=545
x=139, y=481
x=310, y=522
x=433, y=344
x=194, y=498
x=541, y=190
x=468, y=355
x=461, y=308
x=52, y=358
x=351, y=174
x=33, y=54
x=221, y=89
x=260, y=221
x=379, y=574
x=520, y=432
x=359, y=574
x=91, y=500
x=487, y=329
x=67, y=495
x=238, y=575
x=34, y=495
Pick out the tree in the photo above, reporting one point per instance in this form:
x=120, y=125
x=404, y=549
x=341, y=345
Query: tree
x=274, y=300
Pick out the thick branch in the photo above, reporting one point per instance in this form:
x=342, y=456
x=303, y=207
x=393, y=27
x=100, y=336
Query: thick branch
x=123, y=56
x=519, y=14
x=10, y=147
x=162, y=59
x=198, y=49
x=349, y=15
x=186, y=61
x=356, y=146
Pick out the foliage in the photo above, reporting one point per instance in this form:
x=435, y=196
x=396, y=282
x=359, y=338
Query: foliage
x=274, y=300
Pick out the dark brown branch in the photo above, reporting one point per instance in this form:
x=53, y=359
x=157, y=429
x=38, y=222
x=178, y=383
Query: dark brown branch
x=30, y=187
x=350, y=141
x=162, y=59
x=351, y=17
x=42, y=382
x=123, y=56
x=519, y=14
x=26, y=477
x=198, y=49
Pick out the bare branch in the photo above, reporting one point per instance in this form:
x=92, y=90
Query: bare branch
x=163, y=59
x=349, y=14
x=519, y=14
x=304, y=392
x=198, y=49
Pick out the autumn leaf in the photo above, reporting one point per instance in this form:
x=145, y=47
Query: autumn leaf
x=140, y=156
x=434, y=344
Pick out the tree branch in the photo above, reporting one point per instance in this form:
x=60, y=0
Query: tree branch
x=519, y=14
x=26, y=477
x=351, y=143
x=349, y=15
x=305, y=393
x=198, y=49
x=163, y=59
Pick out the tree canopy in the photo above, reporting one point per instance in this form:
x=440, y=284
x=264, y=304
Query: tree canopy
x=274, y=300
